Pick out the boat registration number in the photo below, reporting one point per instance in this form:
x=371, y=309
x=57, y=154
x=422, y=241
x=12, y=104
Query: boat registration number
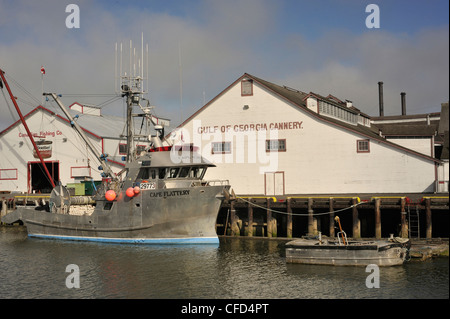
x=147, y=185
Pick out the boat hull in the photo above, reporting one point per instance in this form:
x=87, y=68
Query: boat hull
x=361, y=254
x=176, y=216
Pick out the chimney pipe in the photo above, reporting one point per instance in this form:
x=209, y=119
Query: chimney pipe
x=380, y=97
x=403, y=95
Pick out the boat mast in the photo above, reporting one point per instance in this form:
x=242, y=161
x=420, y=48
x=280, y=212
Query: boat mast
x=50, y=177
x=131, y=87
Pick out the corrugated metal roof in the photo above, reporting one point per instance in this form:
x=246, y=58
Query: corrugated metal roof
x=105, y=126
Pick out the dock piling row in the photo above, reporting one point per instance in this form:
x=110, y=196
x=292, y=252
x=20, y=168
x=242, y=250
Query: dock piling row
x=291, y=217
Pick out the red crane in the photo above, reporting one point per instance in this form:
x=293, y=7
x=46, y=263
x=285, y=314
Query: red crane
x=26, y=127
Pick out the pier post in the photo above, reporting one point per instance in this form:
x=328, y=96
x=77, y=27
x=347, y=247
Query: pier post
x=233, y=221
x=331, y=217
x=250, y=219
x=356, y=221
x=289, y=218
x=4, y=208
x=312, y=226
x=377, y=218
x=428, y=217
x=404, y=224
x=269, y=219
x=271, y=222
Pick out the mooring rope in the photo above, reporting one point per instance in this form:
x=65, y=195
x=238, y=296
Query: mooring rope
x=294, y=214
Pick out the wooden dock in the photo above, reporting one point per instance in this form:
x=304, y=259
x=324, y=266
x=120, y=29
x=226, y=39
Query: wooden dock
x=377, y=216
x=415, y=216
x=9, y=201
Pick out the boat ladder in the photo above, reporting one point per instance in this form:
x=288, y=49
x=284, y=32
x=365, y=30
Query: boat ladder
x=414, y=224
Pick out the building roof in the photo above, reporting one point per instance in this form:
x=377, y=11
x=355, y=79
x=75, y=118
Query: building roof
x=407, y=129
x=404, y=118
x=99, y=126
x=35, y=110
x=298, y=98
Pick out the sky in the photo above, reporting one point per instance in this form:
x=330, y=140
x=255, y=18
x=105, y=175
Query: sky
x=199, y=47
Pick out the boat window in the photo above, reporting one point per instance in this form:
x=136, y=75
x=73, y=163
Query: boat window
x=201, y=172
x=144, y=173
x=162, y=173
x=173, y=172
x=197, y=172
x=184, y=172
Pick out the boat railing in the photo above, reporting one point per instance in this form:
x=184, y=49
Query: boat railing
x=217, y=182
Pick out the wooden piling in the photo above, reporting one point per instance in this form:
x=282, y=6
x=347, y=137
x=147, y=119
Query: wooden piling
x=233, y=224
x=289, y=218
x=269, y=219
x=331, y=209
x=404, y=224
x=233, y=221
x=250, y=218
x=377, y=218
x=356, y=221
x=428, y=217
x=311, y=228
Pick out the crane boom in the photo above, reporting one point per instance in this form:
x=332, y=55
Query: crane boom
x=102, y=158
x=50, y=177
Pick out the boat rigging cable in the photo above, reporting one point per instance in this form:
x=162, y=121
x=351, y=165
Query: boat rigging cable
x=52, y=182
x=294, y=214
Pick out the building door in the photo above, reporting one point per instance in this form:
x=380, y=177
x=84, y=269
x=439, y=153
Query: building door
x=38, y=181
x=274, y=183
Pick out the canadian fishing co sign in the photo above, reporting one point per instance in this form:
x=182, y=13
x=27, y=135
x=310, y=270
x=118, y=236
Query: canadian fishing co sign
x=45, y=148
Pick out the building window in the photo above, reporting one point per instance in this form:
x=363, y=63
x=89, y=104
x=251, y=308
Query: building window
x=275, y=145
x=122, y=149
x=82, y=171
x=221, y=148
x=247, y=87
x=363, y=146
x=8, y=174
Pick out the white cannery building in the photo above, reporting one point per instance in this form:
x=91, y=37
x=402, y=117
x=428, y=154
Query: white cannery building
x=268, y=139
x=66, y=155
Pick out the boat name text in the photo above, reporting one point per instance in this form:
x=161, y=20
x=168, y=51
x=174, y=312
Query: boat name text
x=170, y=193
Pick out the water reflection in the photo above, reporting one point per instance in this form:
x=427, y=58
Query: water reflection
x=237, y=268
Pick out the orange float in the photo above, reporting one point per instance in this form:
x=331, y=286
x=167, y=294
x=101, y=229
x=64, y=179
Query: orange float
x=130, y=192
x=110, y=195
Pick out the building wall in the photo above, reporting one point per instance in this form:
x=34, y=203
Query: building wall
x=421, y=145
x=68, y=149
x=443, y=177
x=320, y=157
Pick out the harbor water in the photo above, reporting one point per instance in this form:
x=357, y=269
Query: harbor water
x=237, y=268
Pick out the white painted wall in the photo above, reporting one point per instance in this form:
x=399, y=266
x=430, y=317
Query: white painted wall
x=421, y=145
x=16, y=150
x=320, y=158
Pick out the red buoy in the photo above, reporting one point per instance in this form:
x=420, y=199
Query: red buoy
x=130, y=192
x=110, y=195
x=136, y=190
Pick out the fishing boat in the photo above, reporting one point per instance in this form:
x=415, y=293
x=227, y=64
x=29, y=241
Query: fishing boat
x=344, y=252
x=161, y=197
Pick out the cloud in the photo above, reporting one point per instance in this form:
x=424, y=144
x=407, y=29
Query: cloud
x=416, y=64
x=218, y=42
